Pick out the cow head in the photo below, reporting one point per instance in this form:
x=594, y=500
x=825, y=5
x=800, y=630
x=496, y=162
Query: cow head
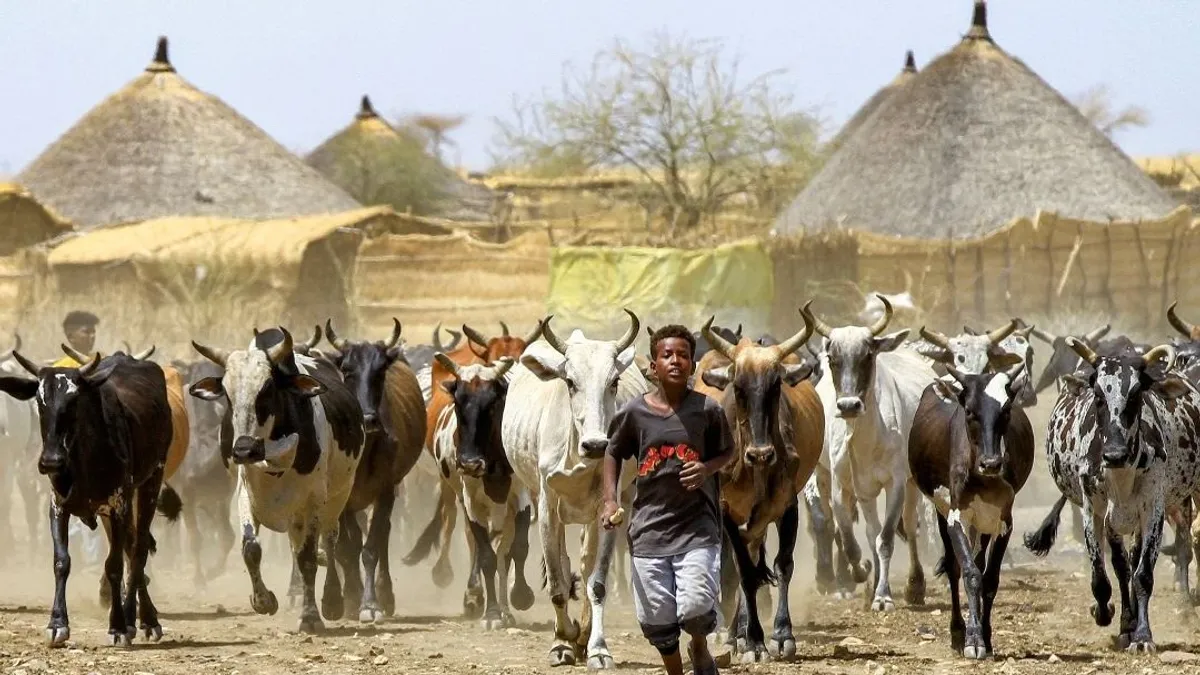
x=1063, y=360
x=987, y=399
x=852, y=351
x=262, y=384
x=974, y=353
x=591, y=369
x=1118, y=382
x=364, y=367
x=758, y=374
x=491, y=349
x=479, y=392
x=59, y=392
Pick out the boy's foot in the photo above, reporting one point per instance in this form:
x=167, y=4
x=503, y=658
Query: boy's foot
x=707, y=667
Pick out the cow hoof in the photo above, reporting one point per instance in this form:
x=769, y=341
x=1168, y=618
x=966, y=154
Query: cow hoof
x=322, y=559
x=311, y=626
x=975, y=652
x=473, y=603
x=883, y=605
x=861, y=573
x=443, y=575
x=119, y=638
x=370, y=615
x=152, y=633
x=844, y=594
x=521, y=597
x=562, y=655
x=333, y=608
x=264, y=604
x=58, y=637
x=757, y=655
x=1102, y=617
x=1147, y=647
x=601, y=662
x=782, y=649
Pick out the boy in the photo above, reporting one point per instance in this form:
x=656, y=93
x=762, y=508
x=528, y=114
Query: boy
x=680, y=439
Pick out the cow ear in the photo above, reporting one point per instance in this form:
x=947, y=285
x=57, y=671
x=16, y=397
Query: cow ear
x=946, y=389
x=1075, y=384
x=1172, y=387
x=208, y=389
x=718, y=378
x=306, y=386
x=625, y=359
x=449, y=385
x=19, y=388
x=795, y=373
x=545, y=364
x=891, y=342
x=1002, y=360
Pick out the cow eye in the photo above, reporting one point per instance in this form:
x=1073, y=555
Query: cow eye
x=571, y=385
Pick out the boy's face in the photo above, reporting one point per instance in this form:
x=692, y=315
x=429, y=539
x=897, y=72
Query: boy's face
x=82, y=338
x=673, y=362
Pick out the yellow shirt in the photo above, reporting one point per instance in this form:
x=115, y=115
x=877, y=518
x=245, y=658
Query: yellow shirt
x=65, y=362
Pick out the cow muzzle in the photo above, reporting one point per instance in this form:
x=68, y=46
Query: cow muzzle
x=760, y=455
x=849, y=407
x=249, y=450
x=1115, y=455
x=475, y=468
x=593, y=448
x=371, y=422
x=51, y=463
x=991, y=466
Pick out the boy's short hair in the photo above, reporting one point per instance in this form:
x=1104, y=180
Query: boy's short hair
x=79, y=319
x=672, y=331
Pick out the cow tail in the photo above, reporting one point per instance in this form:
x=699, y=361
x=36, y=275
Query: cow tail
x=431, y=536
x=901, y=531
x=939, y=570
x=1040, y=540
x=169, y=503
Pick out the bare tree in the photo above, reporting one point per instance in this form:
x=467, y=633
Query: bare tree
x=1096, y=104
x=437, y=129
x=677, y=113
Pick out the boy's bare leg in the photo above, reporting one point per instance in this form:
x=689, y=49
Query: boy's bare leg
x=673, y=663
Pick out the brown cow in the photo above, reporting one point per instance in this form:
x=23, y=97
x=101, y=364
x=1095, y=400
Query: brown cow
x=477, y=349
x=779, y=428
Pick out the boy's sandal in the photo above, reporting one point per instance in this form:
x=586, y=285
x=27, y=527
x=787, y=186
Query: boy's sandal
x=703, y=669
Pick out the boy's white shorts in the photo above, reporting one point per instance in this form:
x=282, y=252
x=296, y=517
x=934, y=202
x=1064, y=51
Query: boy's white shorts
x=677, y=593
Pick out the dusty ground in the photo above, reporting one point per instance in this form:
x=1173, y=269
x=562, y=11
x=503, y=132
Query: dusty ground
x=1041, y=620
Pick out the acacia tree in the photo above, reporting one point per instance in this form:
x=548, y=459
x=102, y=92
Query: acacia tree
x=679, y=114
x=437, y=128
x=1096, y=104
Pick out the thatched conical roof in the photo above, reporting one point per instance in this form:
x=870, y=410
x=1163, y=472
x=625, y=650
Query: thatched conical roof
x=973, y=141
x=872, y=104
x=161, y=147
x=372, y=160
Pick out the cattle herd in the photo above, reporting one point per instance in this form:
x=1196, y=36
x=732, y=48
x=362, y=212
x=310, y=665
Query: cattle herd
x=308, y=440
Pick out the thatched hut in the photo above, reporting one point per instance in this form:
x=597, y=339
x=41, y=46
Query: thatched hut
x=24, y=221
x=161, y=147
x=377, y=163
x=973, y=141
x=872, y=104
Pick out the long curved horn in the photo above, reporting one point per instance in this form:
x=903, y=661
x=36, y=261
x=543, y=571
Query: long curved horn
x=281, y=350
x=217, y=356
x=558, y=344
x=738, y=332
x=447, y=363
x=502, y=366
x=16, y=342
x=79, y=356
x=455, y=338
x=313, y=341
x=1094, y=336
x=396, y=330
x=820, y=326
x=1179, y=324
x=337, y=342
x=534, y=334
x=504, y=330
x=437, y=337
x=882, y=324
x=144, y=354
x=28, y=365
x=959, y=377
x=998, y=335
x=87, y=368
x=720, y=344
x=475, y=336
x=1042, y=335
x=797, y=341
x=128, y=349
x=1083, y=350
x=635, y=326
x=1165, y=352
x=935, y=338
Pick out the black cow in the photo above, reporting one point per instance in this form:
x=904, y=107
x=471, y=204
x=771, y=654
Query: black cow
x=106, y=428
x=420, y=357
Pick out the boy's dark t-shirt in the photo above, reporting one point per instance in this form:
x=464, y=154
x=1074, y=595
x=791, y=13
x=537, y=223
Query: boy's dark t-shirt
x=668, y=519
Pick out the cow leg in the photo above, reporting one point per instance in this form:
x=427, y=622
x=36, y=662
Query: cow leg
x=194, y=539
x=443, y=572
x=486, y=562
x=522, y=594
x=751, y=578
x=262, y=600
x=953, y=569
x=843, y=510
x=820, y=528
x=143, y=517
x=1121, y=560
x=599, y=546
x=566, y=630
x=991, y=578
x=304, y=539
x=1183, y=553
x=883, y=540
x=114, y=568
x=333, y=603
x=783, y=641
x=58, y=631
x=914, y=591
x=502, y=544
x=974, y=646
x=376, y=549
x=1143, y=577
x=730, y=603
x=1093, y=526
x=350, y=555
x=225, y=537
x=1194, y=532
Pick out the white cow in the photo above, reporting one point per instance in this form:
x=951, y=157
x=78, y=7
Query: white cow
x=20, y=445
x=561, y=399
x=297, y=438
x=870, y=394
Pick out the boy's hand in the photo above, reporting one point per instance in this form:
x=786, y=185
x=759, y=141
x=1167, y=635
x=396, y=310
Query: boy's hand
x=611, y=515
x=693, y=475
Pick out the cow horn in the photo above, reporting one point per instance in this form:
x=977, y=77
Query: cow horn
x=558, y=344
x=313, y=341
x=128, y=349
x=90, y=365
x=935, y=338
x=79, y=356
x=447, y=363
x=28, y=365
x=456, y=337
x=959, y=377
x=738, y=332
x=144, y=354
x=534, y=334
x=503, y=364
x=998, y=335
x=217, y=356
x=396, y=330
x=1083, y=350
x=280, y=351
x=504, y=329
x=635, y=326
x=1188, y=330
x=797, y=341
x=437, y=337
x=968, y=330
x=1048, y=338
x=475, y=336
x=337, y=342
x=1094, y=336
x=720, y=344
x=882, y=324
x=822, y=328
x=1165, y=352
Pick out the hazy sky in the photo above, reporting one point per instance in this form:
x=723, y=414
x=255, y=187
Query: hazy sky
x=297, y=69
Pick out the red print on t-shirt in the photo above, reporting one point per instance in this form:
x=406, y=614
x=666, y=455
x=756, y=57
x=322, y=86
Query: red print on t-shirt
x=656, y=456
